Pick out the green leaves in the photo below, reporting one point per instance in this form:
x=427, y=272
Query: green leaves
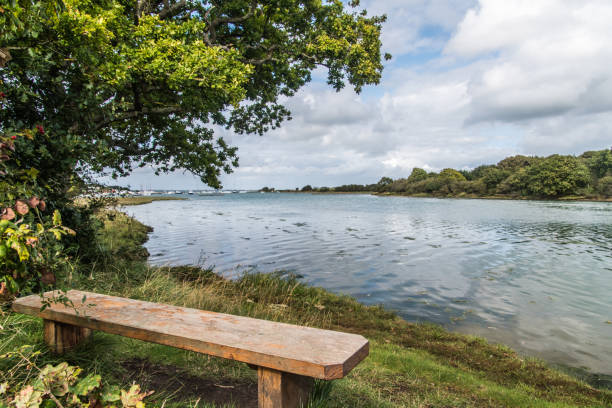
x=110, y=394
x=57, y=218
x=557, y=176
x=60, y=384
x=86, y=385
x=133, y=397
x=22, y=248
x=57, y=379
x=28, y=397
x=124, y=84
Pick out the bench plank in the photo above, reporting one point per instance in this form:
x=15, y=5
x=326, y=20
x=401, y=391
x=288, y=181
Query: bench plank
x=304, y=351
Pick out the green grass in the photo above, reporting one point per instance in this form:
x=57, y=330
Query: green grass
x=410, y=365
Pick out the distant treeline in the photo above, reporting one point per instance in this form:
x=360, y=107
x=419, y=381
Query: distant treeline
x=588, y=175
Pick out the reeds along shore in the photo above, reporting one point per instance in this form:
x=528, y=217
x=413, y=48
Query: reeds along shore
x=410, y=365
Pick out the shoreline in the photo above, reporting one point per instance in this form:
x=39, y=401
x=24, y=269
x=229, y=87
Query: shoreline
x=140, y=200
x=462, y=197
x=501, y=198
x=329, y=192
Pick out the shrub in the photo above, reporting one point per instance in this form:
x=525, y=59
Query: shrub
x=479, y=171
x=557, y=176
x=514, y=163
x=515, y=184
x=451, y=174
x=398, y=186
x=492, y=176
x=475, y=187
x=29, y=248
x=383, y=183
x=431, y=184
x=605, y=186
x=417, y=175
x=61, y=386
x=600, y=163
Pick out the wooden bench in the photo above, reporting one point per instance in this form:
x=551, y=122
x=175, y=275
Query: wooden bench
x=287, y=357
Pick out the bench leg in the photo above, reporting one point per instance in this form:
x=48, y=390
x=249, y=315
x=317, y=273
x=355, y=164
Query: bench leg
x=282, y=390
x=62, y=337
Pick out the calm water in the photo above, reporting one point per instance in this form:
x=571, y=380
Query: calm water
x=534, y=275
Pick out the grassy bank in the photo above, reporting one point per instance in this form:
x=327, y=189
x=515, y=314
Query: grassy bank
x=410, y=365
x=139, y=200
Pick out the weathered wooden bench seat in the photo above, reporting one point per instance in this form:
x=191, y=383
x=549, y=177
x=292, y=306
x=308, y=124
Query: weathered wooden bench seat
x=287, y=357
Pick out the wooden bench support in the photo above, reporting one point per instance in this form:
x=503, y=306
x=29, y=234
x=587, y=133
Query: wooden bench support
x=61, y=337
x=278, y=389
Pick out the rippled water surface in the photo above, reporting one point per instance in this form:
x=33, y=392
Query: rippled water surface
x=534, y=275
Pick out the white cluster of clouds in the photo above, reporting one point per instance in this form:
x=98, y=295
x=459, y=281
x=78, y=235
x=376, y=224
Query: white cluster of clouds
x=546, y=58
x=471, y=82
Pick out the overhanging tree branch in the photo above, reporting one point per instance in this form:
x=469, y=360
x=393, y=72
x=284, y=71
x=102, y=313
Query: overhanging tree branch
x=235, y=20
x=170, y=11
x=101, y=123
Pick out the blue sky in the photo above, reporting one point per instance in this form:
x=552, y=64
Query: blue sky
x=470, y=82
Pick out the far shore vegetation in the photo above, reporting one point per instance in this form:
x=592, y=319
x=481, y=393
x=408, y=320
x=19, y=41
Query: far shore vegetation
x=410, y=365
x=556, y=177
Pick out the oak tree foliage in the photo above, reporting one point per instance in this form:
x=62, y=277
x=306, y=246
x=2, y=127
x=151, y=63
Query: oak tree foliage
x=125, y=83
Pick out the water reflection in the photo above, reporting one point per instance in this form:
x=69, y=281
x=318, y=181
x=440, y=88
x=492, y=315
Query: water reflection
x=535, y=275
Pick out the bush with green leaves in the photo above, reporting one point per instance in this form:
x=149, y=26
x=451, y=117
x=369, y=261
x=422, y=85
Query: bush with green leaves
x=493, y=176
x=417, y=175
x=26, y=253
x=600, y=163
x=557, y=176
x=605, y=186
x=59, y=386
x=29, y=234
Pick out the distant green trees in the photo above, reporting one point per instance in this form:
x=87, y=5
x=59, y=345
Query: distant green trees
x=354, y=188
x=589, y=174
x=557, y=176
x=346, y=188
x=417, y=175
x=384, y=181
x=605, y=186
x=600, y=162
